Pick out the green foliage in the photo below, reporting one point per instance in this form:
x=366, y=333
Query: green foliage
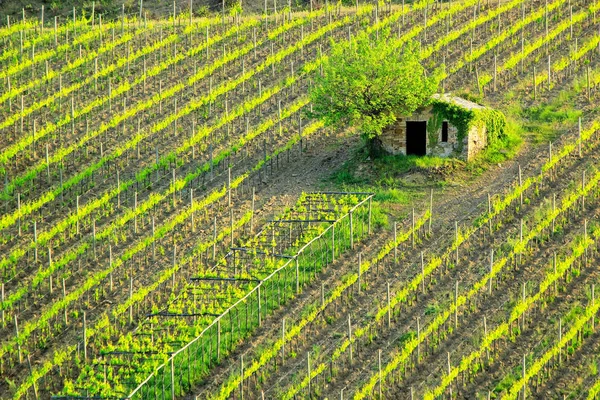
x=544, y=122
x=433, y=127
x=368, y=82
x=504, y=148
x=463, y=119
x=379, y=218
x=459, y=117
x=236, y=8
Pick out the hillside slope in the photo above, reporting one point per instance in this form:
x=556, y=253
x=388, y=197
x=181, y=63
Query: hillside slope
x=155, y=176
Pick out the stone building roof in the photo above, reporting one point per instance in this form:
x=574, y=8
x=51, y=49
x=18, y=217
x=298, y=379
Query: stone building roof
x=459, y=101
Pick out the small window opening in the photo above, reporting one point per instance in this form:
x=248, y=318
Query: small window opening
x=445, y=132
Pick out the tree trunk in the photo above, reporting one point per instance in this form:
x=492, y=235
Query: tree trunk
x=375, y=147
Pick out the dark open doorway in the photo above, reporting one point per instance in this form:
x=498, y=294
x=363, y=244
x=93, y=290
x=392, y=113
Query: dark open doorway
x=416, y=138
x=445, y=131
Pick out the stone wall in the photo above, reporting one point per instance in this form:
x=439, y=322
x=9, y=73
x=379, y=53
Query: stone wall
x=394, y=138
x=476, y=141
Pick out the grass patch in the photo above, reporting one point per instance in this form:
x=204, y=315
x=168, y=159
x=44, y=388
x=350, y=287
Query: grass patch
x=400, y=164
x=393, y=195
x=379, y=217
x=545, y=122
x=502, y=150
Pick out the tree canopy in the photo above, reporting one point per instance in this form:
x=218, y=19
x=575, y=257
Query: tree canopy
x=368, y=82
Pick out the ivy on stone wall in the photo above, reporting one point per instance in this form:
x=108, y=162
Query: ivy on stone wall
x=495, y=123
x=463, y=119
x=434, y=124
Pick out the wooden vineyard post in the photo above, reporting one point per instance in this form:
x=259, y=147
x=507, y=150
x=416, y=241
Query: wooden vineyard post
x=521, y=240
x=430, y=210
x=22, y=97
x=192, y=208
x=456, y=241
x=64, y=290
x=524, y=377
x=523, y=296
x=259, y=307
x=174, y=180
x=549, y=72
x=521, y=185
x=559, y=340
x=228, y=186
x=214, y=247
x=495, y=71
x=593, y=305
x=35, y=240
x=17, y=337
x=333, y=242
x=395, y=242
x=380, y=374
x=418, y=339
x=477, y=81
x=583, y=196
x=413, y=229
x=135, y=206
x=554, y=260
x=550, y=159
x=241, y=359
x=449, y=370
x=2, y=298
x=489, y=201
x=491, y=268
x=252, y=215
x=283, y=341
x=369, y=231
x=130, y=296
x=153, y=242
x=351, y=231
x=172, y=357
x=297, y=276
x=422, y=273
x=350, y=339
x=359, y=271
x=77, y=210
x=47, y=163
x=487, y=350
x=173, y=266
x=456, y=305
x=587, y=74
x=522, y=37
x=534, y=84
x=119, y=190
x=389, y=309
x=579, y=137
x=84, y=337
x=19, y=210
x=50, y=265
x=308, y=371
x=62, y=196
x=35, y=392
x=218, y=340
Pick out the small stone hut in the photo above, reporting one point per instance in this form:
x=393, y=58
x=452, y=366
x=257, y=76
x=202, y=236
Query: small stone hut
x=448, y=126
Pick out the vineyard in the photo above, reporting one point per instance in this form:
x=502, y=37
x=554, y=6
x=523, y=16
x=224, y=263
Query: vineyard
x=169, y=227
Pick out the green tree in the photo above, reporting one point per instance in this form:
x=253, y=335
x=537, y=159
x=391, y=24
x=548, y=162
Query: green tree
x=368, y=83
